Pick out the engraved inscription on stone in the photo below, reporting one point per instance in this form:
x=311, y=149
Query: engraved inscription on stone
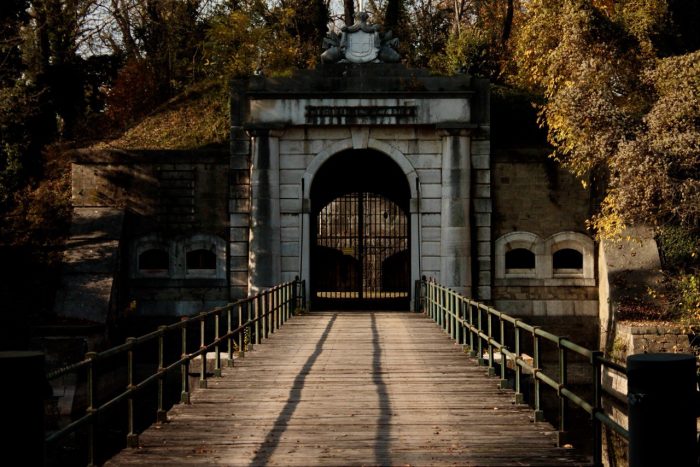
x=376, y=115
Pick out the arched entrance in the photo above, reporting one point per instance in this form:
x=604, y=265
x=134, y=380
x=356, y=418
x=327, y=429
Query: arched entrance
x=359, y=230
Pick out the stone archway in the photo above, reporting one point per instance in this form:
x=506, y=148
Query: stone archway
x=361, y=235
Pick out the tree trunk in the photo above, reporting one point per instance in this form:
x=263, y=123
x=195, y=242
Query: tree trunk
x=393, y=14
x=507, y=23
x=349, y=12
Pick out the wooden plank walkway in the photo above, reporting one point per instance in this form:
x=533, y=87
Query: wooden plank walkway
x=352, y=388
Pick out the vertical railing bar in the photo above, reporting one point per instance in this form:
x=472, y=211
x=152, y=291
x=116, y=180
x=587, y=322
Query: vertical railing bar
x=563, y=381
x=453, y=315
x=161, y=414
x=597, y=407
x=258, y=301
x=457, y=317
x=273, y=310
x=264, y=313
x=295, y=295
x=479, y=339
x=278, y=306
x=504, y=348
x=519, y=398
x=470, y=309
x=492, y=369
x=283, y=311
x=217, y=333
x=539, y=415
x=242, y=332
x=185, y=368
x=229, y=328
x=91, y=406
x=203, y=356
x=248, y=320
x=132, y=439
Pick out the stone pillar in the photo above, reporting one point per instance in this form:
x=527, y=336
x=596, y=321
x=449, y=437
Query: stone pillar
x=306, y=245
x=264, y=264
x=455, y=231
x=239, y=196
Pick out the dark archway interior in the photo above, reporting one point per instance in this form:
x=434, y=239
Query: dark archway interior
x=360, y=253
x=359, y=170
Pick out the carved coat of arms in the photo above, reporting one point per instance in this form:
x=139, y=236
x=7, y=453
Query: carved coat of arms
x=360, y=43
x=361, y=46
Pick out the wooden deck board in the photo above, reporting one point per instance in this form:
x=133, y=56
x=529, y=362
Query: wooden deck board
x=354, y=388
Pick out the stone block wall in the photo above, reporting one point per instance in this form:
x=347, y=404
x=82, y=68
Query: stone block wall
x=540, y=207
x=174, y=201
x=423, y=147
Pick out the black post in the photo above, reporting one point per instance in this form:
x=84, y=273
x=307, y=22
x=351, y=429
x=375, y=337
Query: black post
x=23, y=393
x=662, y=394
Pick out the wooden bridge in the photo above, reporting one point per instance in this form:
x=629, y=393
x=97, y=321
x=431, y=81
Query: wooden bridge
x=352, y=388
x=344, y=388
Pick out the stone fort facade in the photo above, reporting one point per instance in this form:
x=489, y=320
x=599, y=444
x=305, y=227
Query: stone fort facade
x=359, y=179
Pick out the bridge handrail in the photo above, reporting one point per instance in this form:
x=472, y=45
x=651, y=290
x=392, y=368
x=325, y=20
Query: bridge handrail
x=470, y=323
x=264, y=313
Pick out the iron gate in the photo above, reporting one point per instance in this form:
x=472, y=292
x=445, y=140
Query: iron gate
x=360, y=256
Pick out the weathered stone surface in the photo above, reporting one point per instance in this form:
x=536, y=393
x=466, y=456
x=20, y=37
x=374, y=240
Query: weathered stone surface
x=91, y=261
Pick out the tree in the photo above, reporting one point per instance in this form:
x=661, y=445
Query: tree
x=475, y=36
x=612, y=106
x=307, y=22
x=349, y=12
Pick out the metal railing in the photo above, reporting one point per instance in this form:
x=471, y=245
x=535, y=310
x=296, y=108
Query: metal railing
x=257, y=317
x=486, y=332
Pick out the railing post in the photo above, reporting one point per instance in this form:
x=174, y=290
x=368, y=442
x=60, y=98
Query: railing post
x=504, y=358
x=272, y=307
x=563, y=401
x=276, y=314
x=285, y=303
x=241, y=332
x=132, y=439
x=663, y=408
x=229, y=328
x=303, y=295
x=538, y=413
x=185, y=367
x=217, y=356
x=256, y=306
x=479, y=339
x=519, y=398
x=295, y=295
x=444, y=299
x=441, y=306
x=462, y=323
x=203, y=355
x=91, y=406
x=455, y=315
x=161, y=414
x=429, y=294
x=470, y=310
x=264, y=313
x=438, y=304
x=492, y=369
x=281, y=305
x=597, y=408
x=448, y=312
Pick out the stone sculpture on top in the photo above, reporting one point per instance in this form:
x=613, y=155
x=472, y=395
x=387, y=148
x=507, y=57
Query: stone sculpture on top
x=360, y=43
